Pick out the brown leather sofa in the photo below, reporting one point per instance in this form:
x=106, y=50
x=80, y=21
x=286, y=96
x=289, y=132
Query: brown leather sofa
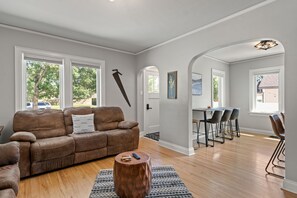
x=9, y=170
x=47, y=142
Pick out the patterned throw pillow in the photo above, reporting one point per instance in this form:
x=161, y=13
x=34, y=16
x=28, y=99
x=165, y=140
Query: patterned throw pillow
x=83, y=123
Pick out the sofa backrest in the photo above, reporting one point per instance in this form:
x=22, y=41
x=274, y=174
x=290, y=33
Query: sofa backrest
x=42, y=123
x=107, y=118
x=68, y=112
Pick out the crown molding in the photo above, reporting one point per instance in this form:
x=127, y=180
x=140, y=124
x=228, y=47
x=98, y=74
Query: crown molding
x=257, y=58
x=63, y=38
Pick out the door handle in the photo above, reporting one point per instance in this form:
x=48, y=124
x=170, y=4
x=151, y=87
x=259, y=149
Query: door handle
x=148, y=107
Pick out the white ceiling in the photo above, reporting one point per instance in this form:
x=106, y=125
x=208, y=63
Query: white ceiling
x=128, y=25
x=244, y=51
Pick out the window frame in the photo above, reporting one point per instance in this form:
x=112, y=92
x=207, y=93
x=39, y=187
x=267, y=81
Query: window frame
x=222, y=74
x=85, y=63
x=65, y=75
x=252, y=88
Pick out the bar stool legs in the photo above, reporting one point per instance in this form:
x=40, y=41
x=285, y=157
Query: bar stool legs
x=206, y=131
x=279, y=131
x=234, y=117
x=212, y=132
x=237, y=128
x=277, y=150
x=195, y=122
x=231, y=128
x=278, y=156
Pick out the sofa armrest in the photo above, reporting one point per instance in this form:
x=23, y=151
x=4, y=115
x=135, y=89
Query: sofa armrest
x=127, y=124
x=23, y=137
x=10, y=153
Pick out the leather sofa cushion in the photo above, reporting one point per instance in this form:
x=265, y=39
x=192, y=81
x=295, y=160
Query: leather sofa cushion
x=52, y=148
x=9, y=153
x=7, y=193
x=75, y=111
x=119, y=137
x=10, y=177
x=23, y=137
x=53, y=164
x=107, y=118
x=127, y=124
x=89, y=141
x=90, y=155
x=42, y=123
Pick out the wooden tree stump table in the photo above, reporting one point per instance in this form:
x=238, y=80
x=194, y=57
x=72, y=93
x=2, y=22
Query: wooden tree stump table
x=133, y=178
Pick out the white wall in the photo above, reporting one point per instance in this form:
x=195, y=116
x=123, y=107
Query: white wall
x=10, y=38
x=274, y=20
x=203, y=65
x=239, y=94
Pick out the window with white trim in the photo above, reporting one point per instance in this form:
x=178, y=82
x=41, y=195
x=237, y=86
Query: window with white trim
x=47, y=80
x=43, y=83
x=85, y=91
x=267, y=90
x=218, y=88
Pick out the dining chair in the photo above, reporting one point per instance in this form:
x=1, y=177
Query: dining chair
x=223, y=125
x=214, y=120
x=234, y=118
x=283, y=149
x=283, y=116
x=195, y=122
x=279, y=131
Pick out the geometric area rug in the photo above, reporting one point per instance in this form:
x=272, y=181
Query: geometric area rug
x=165, y=183
x=153, y=136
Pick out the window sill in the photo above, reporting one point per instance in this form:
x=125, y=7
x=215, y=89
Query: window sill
x=252, y=113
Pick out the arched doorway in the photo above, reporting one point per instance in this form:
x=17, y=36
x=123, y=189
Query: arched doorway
x=238, y=73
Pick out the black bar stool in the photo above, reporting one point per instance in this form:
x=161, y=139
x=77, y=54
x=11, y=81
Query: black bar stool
x=223, y=125
x=234, y=118
x=279, y=131
x=215, y=119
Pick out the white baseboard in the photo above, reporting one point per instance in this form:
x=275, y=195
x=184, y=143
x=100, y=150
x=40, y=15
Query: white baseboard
x=177, y=148
x=290, y=186
x=257, y=131
x=142, y=134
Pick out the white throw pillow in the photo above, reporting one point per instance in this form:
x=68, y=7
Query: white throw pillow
x=83, y=123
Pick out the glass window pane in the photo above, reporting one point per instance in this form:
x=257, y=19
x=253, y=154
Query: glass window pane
x=42, y=84
x=150, y=84
x=153, y=84
x=267, y=92
x=84, y=86
x=156, y=84
x=215, y=84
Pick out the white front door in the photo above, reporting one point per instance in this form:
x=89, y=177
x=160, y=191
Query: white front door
x=151, y=101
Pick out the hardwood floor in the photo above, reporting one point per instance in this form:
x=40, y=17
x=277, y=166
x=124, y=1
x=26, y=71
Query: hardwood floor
x=233, y=169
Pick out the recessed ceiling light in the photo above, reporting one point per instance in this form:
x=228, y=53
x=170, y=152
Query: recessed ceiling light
x=111, y=0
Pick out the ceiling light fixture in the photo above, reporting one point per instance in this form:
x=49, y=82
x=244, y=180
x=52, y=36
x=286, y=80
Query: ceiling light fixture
x=111, y=0
x=266, y=44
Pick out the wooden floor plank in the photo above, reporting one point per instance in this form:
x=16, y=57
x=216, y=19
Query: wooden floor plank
x=233, y=169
